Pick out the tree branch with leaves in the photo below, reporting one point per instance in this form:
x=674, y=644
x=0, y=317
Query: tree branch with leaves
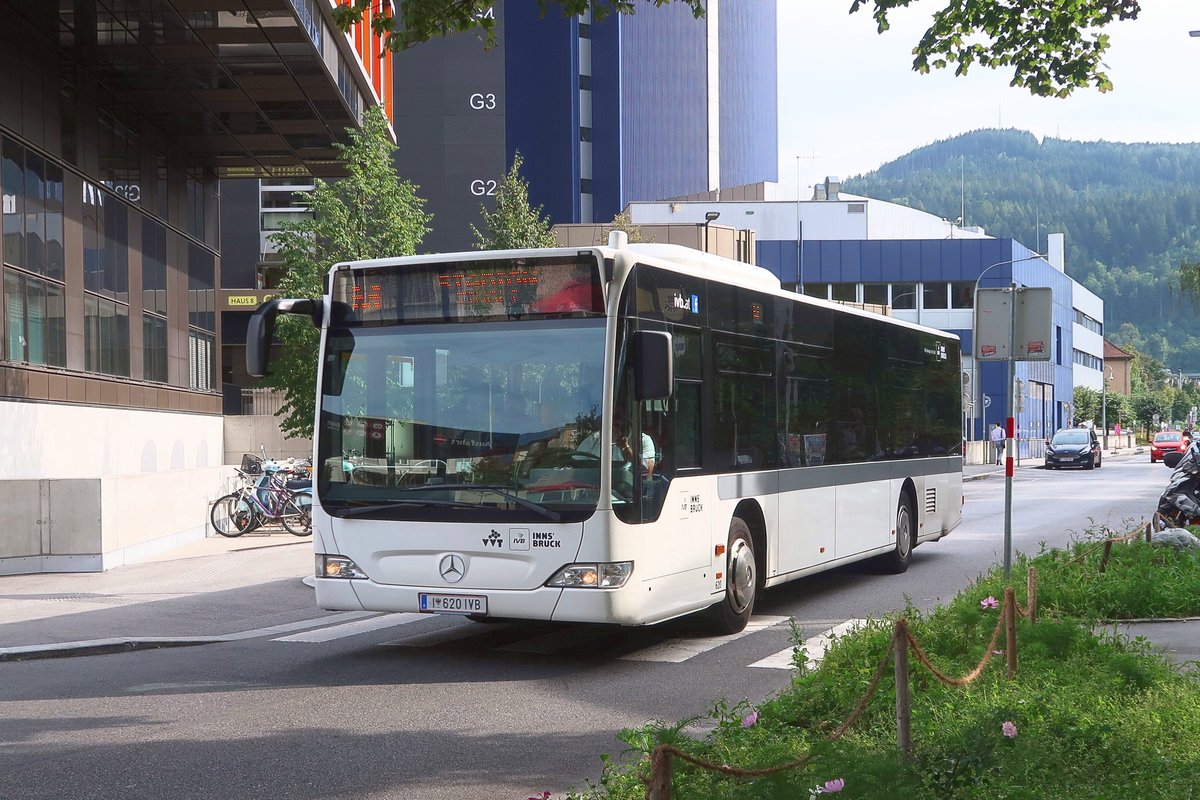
x=370, y=213
x=1053, y=47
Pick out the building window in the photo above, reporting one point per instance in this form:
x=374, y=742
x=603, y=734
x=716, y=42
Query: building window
x=876, y=293
x=1085, y=321
x=200, y=360
x=154, y=348
x=904, y=296
x=962, y=294
x=820, y=290
x=31, y=189
x=35, y=330
x=1087, y=360
x=585, y=83
x=935, y=295
x=154, y=267
x=845, y=292
x=106, y=336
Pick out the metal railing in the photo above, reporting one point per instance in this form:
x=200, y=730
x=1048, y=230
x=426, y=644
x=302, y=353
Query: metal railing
x=262, y=401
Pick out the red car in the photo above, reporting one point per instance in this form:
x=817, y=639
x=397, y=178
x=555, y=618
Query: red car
x=1166, y=442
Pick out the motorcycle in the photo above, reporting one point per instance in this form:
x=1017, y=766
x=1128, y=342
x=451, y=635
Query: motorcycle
x=1179, y=504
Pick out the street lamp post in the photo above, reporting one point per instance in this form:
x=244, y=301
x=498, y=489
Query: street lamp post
x=1010, y=433
x=709, y=216
x=1106, y=376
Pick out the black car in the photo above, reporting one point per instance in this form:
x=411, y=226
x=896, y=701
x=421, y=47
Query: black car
x=1073, y=447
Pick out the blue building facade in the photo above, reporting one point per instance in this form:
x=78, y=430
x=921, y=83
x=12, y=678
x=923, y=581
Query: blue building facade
x=629, y=108
x=932, y=281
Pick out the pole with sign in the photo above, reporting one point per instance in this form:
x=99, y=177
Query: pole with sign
x=1012, y=324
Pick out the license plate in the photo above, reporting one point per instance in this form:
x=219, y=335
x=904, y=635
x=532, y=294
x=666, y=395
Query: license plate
x=453, y=604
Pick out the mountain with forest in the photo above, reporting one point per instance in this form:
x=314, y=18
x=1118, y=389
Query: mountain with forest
x=1130, y=214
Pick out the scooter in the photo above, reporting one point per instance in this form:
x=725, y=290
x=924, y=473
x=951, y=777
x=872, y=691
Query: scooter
x=1179, y=504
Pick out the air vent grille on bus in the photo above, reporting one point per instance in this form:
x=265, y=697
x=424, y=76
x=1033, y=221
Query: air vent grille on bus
x=930, y=501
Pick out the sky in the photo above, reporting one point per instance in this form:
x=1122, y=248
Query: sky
x=849, y=100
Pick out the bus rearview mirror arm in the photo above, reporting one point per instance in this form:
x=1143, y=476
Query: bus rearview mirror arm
x=260, y=331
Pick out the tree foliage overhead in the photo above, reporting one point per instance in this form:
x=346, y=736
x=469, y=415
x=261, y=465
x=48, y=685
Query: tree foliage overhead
x=1052, y=46
x=1130, y=213
x=513, y=225
x=370, y=213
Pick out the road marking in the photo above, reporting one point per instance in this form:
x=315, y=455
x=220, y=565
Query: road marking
x=814, y=648
x=354, y=628
x=303, y=624
x=676, y=651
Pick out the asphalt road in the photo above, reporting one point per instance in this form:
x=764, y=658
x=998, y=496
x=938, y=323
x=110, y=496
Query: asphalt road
x=438, y=708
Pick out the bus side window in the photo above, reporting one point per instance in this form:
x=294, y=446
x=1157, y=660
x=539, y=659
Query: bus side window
x=682, y=451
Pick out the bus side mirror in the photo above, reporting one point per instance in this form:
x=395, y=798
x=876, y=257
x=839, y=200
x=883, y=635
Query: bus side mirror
x=260, y=331
x=653, y=365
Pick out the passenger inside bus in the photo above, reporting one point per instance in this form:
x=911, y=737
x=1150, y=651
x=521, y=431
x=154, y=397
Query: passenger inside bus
x=627, y=449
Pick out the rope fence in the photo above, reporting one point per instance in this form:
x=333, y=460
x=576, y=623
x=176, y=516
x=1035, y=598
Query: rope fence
x=659, y=784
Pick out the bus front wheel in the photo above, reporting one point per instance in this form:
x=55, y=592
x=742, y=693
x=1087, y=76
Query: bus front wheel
x=741, y=582
x=896, y=561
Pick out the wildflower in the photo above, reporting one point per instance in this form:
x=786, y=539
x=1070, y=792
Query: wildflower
x=989, y=602
x=542, y=796
x=1009, y=729
x=750, y=719
x=835, y=785
x=997, y=652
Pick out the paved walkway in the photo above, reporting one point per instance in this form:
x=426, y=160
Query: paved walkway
x=217, y=589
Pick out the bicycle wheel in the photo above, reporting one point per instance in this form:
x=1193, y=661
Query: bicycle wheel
x=296, y=515
x=232, y=515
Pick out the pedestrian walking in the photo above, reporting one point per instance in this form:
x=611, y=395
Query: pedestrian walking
x=998, y=441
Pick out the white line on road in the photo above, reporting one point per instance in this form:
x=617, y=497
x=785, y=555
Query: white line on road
x=302, y=625
x=354, y=628
x=678, y=650
x=814, y=648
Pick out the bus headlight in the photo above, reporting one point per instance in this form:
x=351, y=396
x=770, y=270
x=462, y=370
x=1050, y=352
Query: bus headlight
x=611, y=575
x=337, y=567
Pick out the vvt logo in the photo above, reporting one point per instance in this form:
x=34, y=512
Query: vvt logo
x=493, y=539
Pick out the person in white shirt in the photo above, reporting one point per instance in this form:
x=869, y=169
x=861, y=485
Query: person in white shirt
x=998, y=440
x=624, y=455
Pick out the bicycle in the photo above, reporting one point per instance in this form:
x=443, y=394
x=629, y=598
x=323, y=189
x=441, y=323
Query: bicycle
x=262, y=501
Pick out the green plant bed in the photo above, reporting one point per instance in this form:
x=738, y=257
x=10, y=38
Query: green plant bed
x=1091, y=715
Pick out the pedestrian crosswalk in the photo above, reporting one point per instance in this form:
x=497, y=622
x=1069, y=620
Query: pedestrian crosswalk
x=651, y=644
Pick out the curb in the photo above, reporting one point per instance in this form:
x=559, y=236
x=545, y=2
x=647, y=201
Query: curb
x=99, y=647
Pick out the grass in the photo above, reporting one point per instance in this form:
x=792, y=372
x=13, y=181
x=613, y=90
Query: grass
x=1096, y=716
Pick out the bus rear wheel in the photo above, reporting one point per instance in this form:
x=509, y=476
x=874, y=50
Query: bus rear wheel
x=741, y=582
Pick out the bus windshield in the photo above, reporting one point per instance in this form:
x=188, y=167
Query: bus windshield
x=461, y=422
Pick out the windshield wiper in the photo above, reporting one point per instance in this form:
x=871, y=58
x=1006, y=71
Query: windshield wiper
x=553, y=516
x=358, y=511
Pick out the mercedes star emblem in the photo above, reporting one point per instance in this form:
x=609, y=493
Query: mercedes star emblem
x=452, y=568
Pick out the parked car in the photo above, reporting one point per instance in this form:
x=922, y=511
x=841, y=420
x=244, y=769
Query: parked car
x=1167, y=442
x=1073, y=447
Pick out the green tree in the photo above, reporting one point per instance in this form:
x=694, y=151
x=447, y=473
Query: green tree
x=370, y=213
x=513, y=225
x=1052, y=48
x=1087, y=404
x=622, y=222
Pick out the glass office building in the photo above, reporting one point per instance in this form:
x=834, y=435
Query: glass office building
x=117, y=121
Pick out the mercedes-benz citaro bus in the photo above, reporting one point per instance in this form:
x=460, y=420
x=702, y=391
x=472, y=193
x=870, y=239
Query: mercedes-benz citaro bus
x=623, y=434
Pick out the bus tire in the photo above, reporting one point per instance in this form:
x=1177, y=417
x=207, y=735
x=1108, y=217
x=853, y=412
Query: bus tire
x=897, y=561
x=741, y=582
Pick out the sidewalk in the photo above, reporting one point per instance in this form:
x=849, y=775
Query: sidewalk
x=220, y=589
x=205, y=591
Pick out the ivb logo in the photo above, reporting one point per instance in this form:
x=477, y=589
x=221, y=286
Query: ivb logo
x=493, y=539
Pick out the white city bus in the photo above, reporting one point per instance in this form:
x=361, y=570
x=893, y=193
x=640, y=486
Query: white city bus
x=464, y=461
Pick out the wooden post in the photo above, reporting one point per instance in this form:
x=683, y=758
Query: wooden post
x=1150, y=531
x=1031, y=592
x=1107, y=553
x=1010, y=630
x=903, y=706
x=660, y=774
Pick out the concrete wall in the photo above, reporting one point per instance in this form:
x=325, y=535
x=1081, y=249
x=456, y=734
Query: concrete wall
x=251, y=434
x=88, y=488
